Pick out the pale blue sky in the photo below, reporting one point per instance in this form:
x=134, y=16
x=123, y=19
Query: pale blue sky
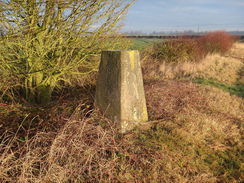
x=171, y=15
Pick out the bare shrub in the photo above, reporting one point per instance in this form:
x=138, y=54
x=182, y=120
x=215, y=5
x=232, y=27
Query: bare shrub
x=217, y=42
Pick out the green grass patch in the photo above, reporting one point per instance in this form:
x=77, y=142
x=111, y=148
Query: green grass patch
x=237, y=89
x=141, y=43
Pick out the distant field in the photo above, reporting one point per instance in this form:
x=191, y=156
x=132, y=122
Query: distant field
x=141, y=43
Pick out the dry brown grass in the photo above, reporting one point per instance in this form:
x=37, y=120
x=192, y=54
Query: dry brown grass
x=194, y=122
x=223, y=69
x=237, y=50
x=220, y=68
x=198, y=112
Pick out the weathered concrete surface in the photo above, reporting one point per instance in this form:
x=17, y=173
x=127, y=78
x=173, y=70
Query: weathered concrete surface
x=119, y=91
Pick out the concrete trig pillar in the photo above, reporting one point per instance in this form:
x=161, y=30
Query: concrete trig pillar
x=119, y=91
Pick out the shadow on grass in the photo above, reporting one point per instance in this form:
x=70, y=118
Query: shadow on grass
x=27, y=119
x=237, y=89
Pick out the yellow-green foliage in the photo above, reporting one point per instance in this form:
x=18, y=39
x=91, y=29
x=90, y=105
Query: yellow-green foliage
x=44, y=40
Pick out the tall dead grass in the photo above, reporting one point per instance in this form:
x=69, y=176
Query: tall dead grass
x=223, y=69
x=214, y=66
x=237, y=51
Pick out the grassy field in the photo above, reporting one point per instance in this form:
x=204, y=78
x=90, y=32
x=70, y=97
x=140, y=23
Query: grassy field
x=140, y=44
x=195, y=132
